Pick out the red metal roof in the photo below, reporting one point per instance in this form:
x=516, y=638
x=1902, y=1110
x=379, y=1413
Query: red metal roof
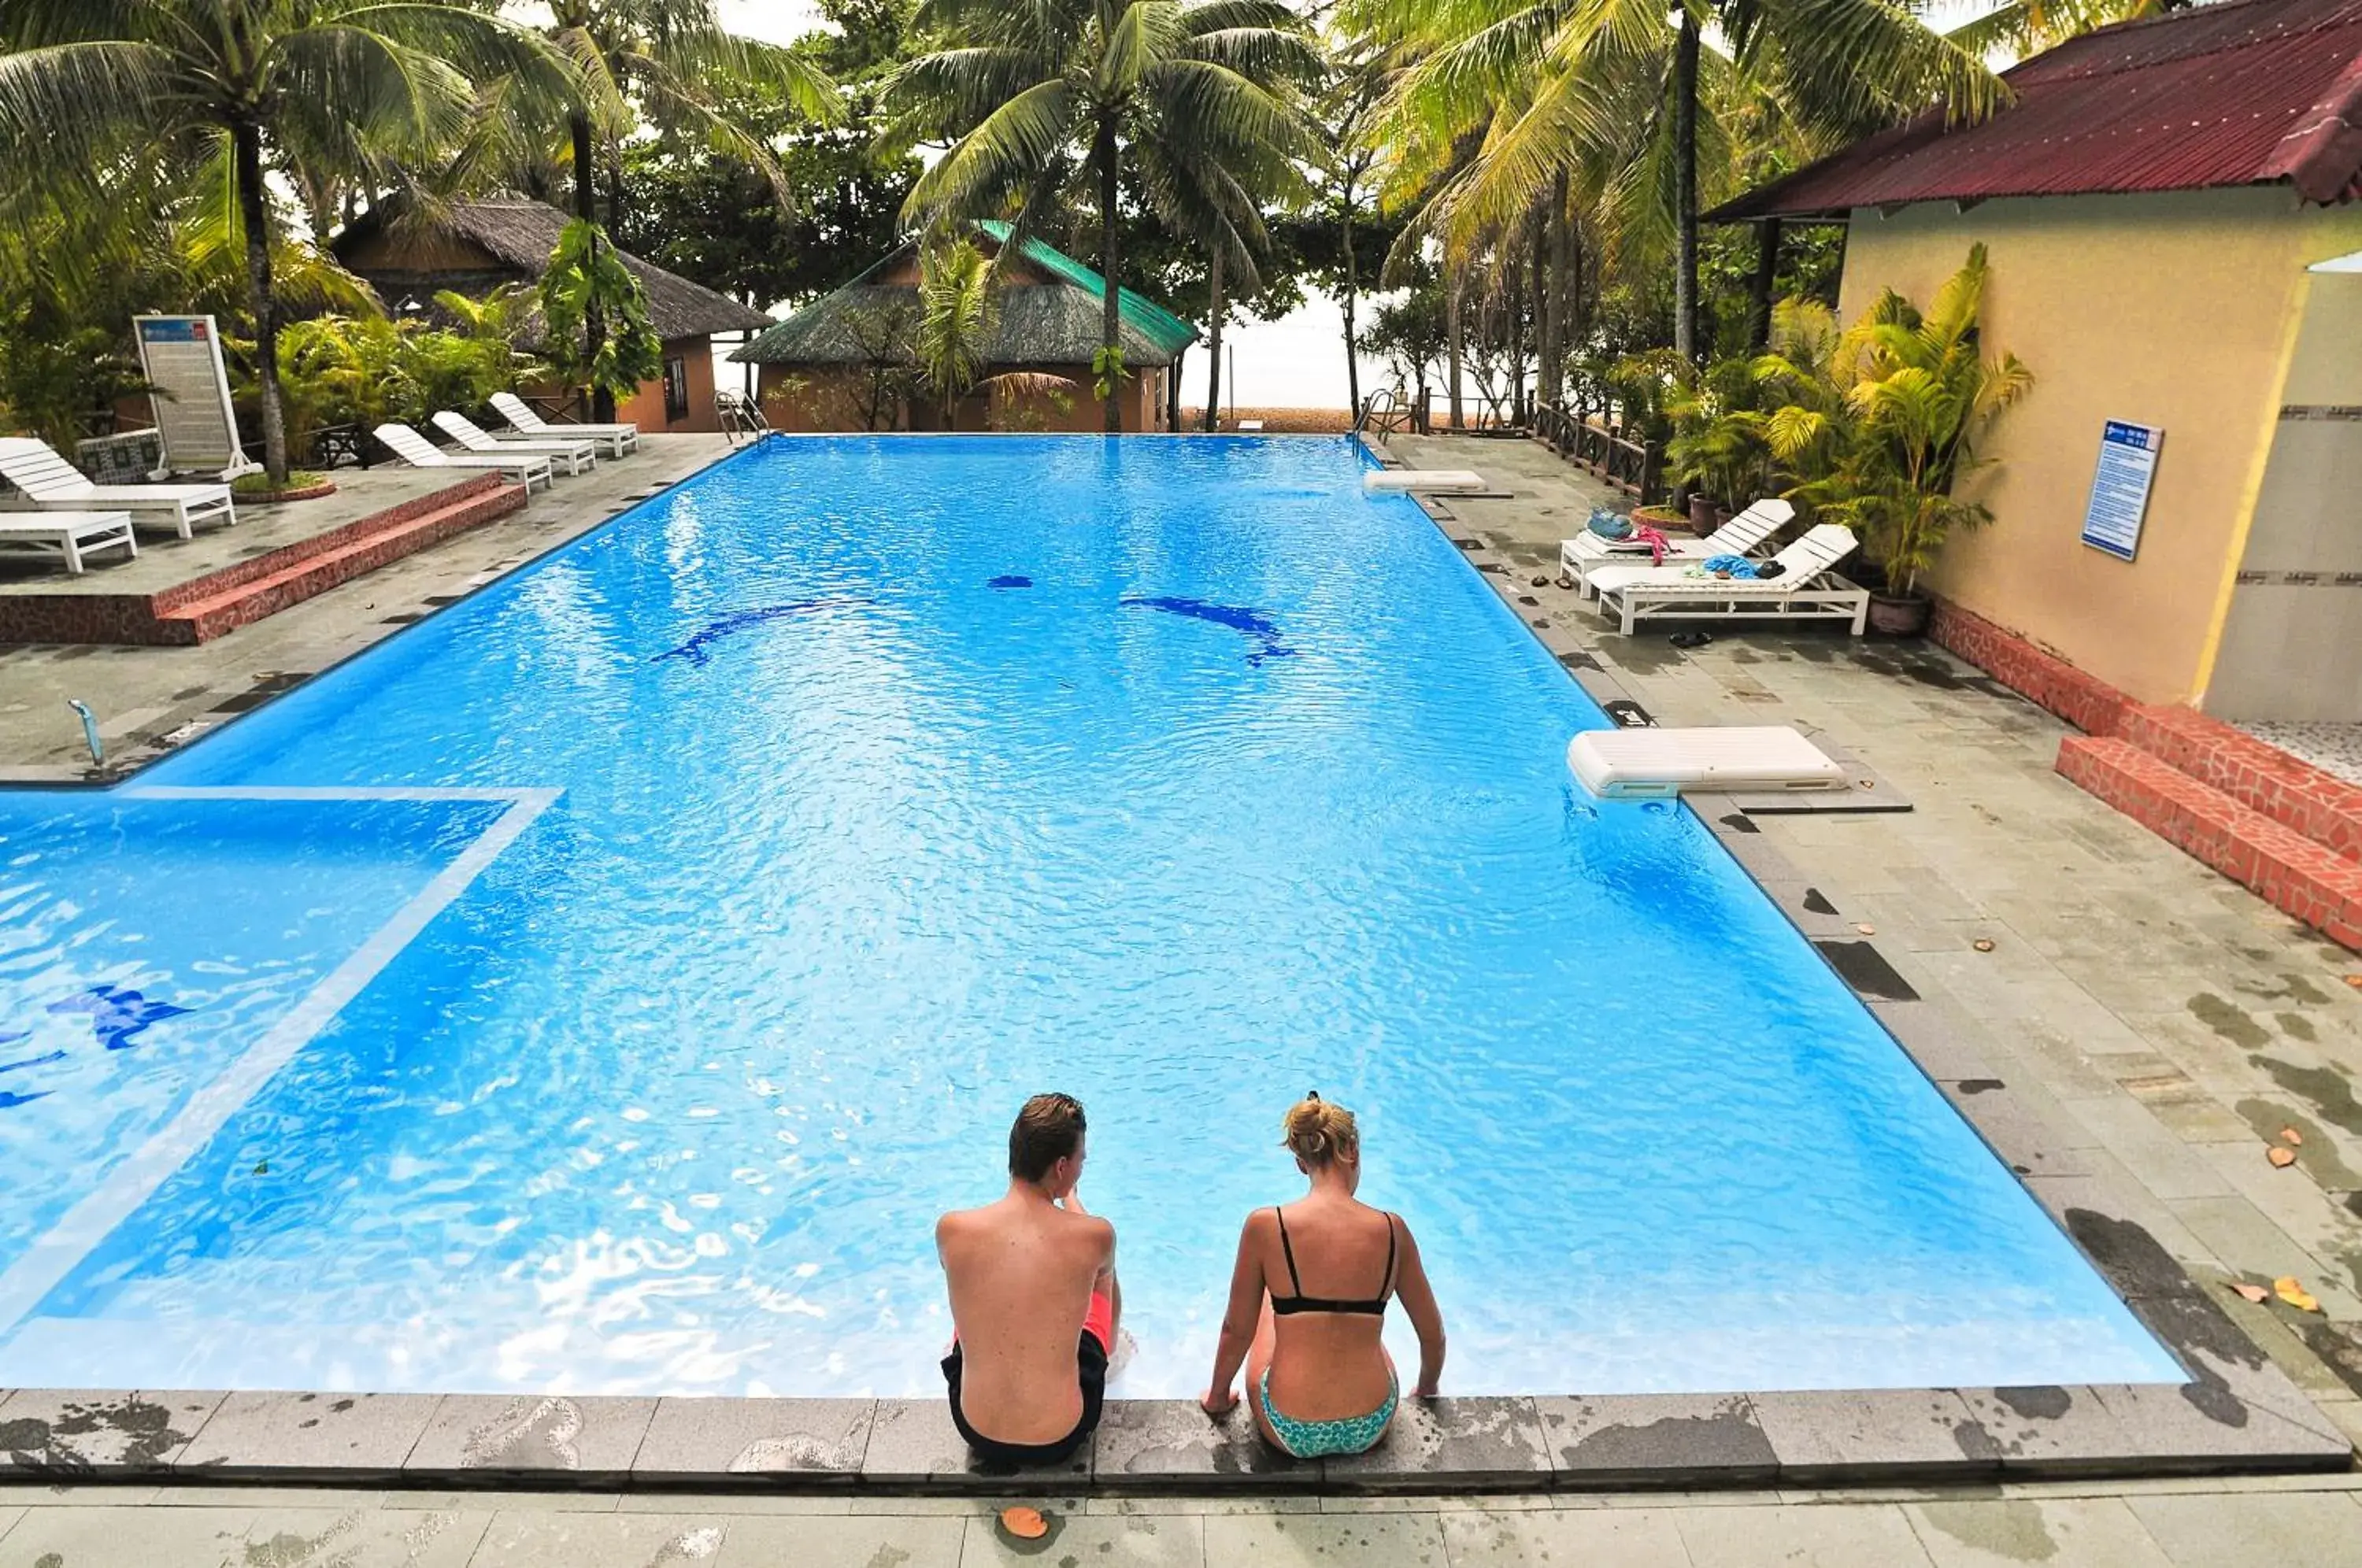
x=2243, y=93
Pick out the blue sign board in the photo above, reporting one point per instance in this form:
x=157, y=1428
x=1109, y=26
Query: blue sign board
x=2112, y=521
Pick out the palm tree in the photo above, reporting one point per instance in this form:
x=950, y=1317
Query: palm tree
x=671, y=61
x=1039, y=98
x=2021, y=27
x=955, y=319
x=90, y=86
x=1551, y=85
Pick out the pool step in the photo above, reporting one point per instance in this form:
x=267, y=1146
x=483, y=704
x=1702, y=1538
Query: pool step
x=237, y=596
x=2298, y=874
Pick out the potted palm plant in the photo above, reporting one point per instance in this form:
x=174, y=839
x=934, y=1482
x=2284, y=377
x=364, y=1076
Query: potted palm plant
x=1891, y=428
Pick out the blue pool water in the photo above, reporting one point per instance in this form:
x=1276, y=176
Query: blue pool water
x=898, y=780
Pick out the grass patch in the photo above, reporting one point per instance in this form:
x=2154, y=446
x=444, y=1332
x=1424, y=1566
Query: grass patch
x=259, y=484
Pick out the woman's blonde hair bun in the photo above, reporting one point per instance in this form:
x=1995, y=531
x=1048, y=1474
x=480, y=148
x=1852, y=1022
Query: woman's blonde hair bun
x=1317, y=1131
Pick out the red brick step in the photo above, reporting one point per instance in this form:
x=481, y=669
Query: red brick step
x=2305, y=878
x=308, y=571
x=2260, y=777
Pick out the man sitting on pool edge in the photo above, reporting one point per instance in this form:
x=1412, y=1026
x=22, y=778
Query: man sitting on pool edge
x=1034, y=1299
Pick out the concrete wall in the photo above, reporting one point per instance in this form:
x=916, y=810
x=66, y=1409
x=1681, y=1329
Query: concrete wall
x=2175, y=310
x=2292, y=647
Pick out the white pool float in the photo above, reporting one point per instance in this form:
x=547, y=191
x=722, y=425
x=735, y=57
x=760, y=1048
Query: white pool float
x=1618, y=764
x=1402, y=481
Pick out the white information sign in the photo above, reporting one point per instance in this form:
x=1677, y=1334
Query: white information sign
x=181, y=356
x=2112, y=521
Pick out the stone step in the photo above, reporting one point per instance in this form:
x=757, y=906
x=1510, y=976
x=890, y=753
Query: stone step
x=2258, y=775
x=244, y=595
x=2294, y=872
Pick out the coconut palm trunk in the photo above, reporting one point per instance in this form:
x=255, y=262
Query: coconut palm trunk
x=1452, y=337
x=1685, y=203
x=1214, y=344
x=1767, y=283
x=1103, y=152
x=1352, y=288
x=254, y=218
x=586, y=207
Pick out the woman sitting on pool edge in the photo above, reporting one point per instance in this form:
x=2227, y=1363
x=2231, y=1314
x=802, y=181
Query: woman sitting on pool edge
x=1309, y=1297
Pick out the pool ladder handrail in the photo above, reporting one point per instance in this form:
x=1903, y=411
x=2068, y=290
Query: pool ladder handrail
x=742, y=419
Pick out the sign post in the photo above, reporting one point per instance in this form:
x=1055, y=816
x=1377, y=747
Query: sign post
x=2112, y=520
x=181, y=357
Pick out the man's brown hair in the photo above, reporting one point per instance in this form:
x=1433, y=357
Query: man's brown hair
x=1049, y=1129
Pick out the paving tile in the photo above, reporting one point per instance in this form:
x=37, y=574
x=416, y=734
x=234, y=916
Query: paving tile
x=534, y=1539
x=593, y=1438
x=1439, y=1445
x=325, y=1436
x=2051, y=1430
x=1858, y=1434
x=1325, y=1540
x=363, y=1537
x=877, y=1541
x=2319, y=1530
x=1878, y=1536
x=711, y=1441
x=127, y=1538
x=912, y=1441
x=1103, y=1540
x=1173, y=1440
x=8, y=1516
x=2226, y=1366
x=73, y=1432
x=2010, y=1532
x=1655, y=1439
x=1614, y=1538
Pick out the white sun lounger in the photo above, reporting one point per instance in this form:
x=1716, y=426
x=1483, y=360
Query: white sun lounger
x=70, y=536
x=49, y=480
x=1585, y=553
x=577, y=455
x=1615, y=764
x=617, y=438
x=1404, y=481
x=1804, y=590
x=530, y=468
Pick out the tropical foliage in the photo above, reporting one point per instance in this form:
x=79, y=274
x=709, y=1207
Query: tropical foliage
x=90, y=89
x=1046, y=102
x=599, y=334
x=956, y=320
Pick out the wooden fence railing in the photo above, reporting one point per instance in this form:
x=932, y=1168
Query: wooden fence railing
x=1633, y=466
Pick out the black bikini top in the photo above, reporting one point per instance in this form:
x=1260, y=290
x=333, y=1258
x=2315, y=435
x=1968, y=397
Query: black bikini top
x=1283, y=1305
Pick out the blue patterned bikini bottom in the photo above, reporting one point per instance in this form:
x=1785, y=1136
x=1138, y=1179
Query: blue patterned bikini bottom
x=1346, y=1434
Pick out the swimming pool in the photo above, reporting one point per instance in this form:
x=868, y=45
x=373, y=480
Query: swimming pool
x=602, y=984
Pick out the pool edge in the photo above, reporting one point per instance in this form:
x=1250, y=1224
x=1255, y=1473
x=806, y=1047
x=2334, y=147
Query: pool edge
x=2238, y=1413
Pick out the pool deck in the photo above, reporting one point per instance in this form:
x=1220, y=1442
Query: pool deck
x=2138, y=1033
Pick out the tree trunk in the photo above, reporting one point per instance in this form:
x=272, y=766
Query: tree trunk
x=1352, y=288
x=254, y=217
x=1557, y=340
x=1454, y=335
x=615, y=195
x=586, y=207
x=1767, y=283
x=1545, y=323
x=1111, y=306
x=1514, y=301
x=1214, y=343
x=1686, y=204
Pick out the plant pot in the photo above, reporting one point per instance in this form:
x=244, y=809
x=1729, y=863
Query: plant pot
x=1701, y=516
x=1900, y=615
x=1722, y=514
x=1658, y=517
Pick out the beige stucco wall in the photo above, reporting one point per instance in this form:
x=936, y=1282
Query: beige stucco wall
x=2176, y=310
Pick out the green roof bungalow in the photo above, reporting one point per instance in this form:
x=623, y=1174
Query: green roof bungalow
x=845, y=362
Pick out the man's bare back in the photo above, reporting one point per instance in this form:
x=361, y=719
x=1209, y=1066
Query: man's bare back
x=1034, y=1296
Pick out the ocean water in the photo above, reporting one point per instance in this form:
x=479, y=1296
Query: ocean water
x=889, y=782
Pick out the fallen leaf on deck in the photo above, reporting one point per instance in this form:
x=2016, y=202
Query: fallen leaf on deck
x=2281, y=1158
x=2255, y=1293
x=1025, y=1524
x=1982, y=944
x=1867, y=929
x=2291, y=1136
x=2295, y=1295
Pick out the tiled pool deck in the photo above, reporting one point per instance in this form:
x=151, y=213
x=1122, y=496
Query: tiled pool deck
x=2138, y=1031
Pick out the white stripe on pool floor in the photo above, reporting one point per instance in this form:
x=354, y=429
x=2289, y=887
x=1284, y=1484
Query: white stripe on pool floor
x=60, y=1249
